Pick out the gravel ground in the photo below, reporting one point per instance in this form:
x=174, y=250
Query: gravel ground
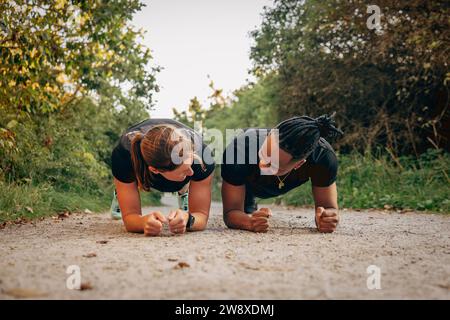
x=291, y=261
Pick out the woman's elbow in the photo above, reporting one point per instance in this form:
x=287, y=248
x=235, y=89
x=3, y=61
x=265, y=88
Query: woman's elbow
x=201, y=228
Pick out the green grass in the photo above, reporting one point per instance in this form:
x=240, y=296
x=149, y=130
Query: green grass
x=364, y=181
x=378, y=181
x=33, y=201
x=367, y=181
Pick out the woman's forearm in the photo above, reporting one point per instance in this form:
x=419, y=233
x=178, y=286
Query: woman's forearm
x=200, y=222
x=134, y=223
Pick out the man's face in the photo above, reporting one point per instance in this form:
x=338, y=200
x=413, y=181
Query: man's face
x=275, y=161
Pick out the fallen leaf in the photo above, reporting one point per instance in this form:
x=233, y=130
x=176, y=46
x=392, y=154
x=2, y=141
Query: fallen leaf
x=87, y=211
x=86, y=286
x=22, y=293
x=182, y=265
x=444, y=286
x=172, y=259
x=90, y=255
x=249, y=267
x=20, y=221
x=229, y=255
x=29, y=209
x=199, y=258
x=63, y=215
x=102, y=241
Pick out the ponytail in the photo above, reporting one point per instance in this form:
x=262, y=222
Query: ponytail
x=299, y=136
x=327, y=126
x=140, y=167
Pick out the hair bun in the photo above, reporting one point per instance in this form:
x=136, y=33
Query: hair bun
x=327, y=126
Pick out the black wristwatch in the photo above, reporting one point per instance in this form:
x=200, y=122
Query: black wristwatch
x=190, y=222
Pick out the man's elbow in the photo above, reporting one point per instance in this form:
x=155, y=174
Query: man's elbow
x=227, y=221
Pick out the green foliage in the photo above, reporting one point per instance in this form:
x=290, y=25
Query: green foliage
x=194, y=113
x=70, y=148
x=31, y=201
x=375, y=179
x=368, y=181
x=52, y=48
x=54, y=52
x=389, y=87
x=253, y=105
x=64, y=67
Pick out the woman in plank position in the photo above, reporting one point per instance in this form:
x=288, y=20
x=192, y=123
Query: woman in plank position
x=162, y=154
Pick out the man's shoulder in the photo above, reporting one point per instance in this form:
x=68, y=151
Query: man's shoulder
x=323, y=153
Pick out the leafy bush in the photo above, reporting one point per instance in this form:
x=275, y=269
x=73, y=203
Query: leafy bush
x=389, y=86
x=368, y=181
x=63, y=69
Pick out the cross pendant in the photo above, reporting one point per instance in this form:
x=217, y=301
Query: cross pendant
x=281, y=185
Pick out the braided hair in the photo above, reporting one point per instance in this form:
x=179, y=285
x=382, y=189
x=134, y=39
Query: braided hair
x=299, y=136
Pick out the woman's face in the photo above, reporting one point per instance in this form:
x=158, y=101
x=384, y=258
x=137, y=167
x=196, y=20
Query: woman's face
x=180, y=173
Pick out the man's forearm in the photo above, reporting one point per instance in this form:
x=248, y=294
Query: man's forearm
x=237, y=219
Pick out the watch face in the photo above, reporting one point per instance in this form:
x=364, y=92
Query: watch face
x=191, y=221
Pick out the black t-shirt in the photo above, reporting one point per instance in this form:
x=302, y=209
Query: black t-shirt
x=321, y=166
x=122, y=166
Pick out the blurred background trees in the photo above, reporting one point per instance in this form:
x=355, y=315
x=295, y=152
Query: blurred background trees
x=389, y=87
x=73, y=76
x=64, y=66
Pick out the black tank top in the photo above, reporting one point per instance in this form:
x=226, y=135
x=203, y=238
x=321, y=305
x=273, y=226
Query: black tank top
x=122, y=166
x=320, y=167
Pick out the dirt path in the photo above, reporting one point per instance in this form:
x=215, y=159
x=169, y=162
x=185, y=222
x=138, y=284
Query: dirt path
x=292, y=261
